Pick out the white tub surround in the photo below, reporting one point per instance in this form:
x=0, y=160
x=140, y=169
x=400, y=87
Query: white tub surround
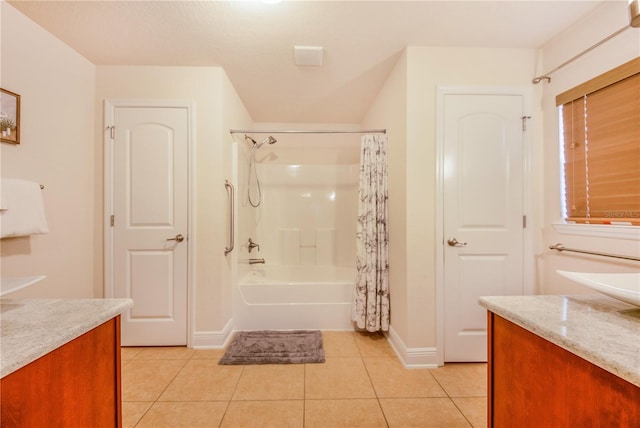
x=31, y=328
x=563, y=361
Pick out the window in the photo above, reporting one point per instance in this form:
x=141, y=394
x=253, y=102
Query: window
x=600, y=134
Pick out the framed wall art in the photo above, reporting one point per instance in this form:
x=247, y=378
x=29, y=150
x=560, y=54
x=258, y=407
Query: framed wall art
x=9, y=117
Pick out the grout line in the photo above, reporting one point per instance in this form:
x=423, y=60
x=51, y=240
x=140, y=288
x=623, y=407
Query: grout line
x=461, y=412
x=165, y=388
x=235, y=388
x=304, y=393
x=386, y=421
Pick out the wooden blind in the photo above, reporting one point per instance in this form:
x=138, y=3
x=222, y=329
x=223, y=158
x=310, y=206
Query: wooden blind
x=602, y=154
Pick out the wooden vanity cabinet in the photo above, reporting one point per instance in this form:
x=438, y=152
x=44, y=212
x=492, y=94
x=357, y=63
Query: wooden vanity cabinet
x=535, y=383
x=76, y=385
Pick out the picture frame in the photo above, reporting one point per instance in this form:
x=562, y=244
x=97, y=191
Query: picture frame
x=9, y=117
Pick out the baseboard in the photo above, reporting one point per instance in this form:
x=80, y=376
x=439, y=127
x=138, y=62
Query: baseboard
x=412, y=358
x=212, y=339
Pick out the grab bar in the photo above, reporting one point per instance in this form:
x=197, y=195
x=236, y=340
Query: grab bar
x=229, y=186
x=560, y=248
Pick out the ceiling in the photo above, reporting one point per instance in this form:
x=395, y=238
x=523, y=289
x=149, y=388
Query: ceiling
x=254, y=41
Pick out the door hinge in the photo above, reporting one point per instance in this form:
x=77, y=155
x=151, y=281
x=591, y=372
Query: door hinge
x=112, y=132
x=113, y=220
x=524, y=122
x=524, y=221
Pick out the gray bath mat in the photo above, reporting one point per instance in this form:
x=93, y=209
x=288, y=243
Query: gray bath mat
x=274, y=347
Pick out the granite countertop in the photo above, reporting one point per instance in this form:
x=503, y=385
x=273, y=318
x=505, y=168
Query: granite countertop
x=597, y=328
x=31, y=328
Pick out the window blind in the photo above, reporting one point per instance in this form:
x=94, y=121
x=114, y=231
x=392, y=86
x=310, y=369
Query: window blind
x=601, y=132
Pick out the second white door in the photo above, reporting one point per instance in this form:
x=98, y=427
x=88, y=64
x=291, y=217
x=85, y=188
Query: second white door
x=483, y=214
x=150, y=222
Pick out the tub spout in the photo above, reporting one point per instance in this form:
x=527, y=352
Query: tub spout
x=256, y=261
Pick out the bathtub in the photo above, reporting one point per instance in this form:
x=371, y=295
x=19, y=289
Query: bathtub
x=294, y=297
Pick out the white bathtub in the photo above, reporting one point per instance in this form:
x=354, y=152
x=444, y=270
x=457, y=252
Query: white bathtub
x=294, y=297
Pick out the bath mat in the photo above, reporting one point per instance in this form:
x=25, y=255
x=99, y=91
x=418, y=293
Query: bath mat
x=275, y=347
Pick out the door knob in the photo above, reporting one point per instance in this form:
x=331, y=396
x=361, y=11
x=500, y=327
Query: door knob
x=177, y=238
x=453, y=242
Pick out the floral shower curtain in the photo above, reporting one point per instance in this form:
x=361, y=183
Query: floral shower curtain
x=370, y=309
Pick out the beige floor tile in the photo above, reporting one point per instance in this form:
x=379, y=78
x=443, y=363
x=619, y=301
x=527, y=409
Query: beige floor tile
x=264, y=414
x=203, y=380
x=338, y=378
x=373, y=345
x=271, y=382
x=391, y=380
x=128, y=353
x=191, y=414
x=353, y=413
x=339, y=344
x=215, y=354
x=132, y=412
x=164, y=353
x=463, y=379
x=474, y=409
x=144, y=380
x=422, y=413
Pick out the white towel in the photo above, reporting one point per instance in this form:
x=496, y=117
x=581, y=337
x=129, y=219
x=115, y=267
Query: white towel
x=23, y=209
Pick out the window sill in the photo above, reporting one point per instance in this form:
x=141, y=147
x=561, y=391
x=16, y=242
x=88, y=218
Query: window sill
x=599, y=230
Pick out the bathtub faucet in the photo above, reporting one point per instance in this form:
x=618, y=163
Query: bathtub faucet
x=256, y=261
x=253, y=245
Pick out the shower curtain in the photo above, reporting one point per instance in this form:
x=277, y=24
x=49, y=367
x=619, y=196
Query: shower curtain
x=370, y=309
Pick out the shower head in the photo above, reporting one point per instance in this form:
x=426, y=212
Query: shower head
x=269, y=140
x=257, y=145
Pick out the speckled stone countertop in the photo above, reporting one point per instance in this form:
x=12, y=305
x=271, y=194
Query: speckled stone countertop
x=31, y=328
x=597, y=328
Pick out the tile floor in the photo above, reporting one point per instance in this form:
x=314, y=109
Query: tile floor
x=361, y=384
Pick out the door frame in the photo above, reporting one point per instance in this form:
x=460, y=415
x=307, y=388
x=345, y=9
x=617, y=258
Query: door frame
x=109, y=113
x=527, y=154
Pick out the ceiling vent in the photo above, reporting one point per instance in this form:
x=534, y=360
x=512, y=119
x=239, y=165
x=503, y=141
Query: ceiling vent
x=308, y=55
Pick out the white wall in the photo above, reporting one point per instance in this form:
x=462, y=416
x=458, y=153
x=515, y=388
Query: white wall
x=427, y=69
x=412, y=170
x=57, y=150
x=389, y=110
x=218, y=109
x=234, y=115
x=604, y=20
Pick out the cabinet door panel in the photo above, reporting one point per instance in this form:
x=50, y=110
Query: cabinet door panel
x=77, y=384
x=534, y=383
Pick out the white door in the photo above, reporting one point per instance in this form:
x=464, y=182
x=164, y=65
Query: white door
x=483, y=214
x=150, y=208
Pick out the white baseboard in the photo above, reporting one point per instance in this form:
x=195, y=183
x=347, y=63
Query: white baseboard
x=412, y=358
x=212, y=339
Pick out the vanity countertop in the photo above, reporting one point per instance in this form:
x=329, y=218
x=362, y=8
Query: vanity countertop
x=597, y=328
x=31, y=328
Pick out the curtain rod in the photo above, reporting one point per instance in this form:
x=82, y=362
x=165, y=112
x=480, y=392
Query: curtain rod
x=546, y=77
x=366, y=131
